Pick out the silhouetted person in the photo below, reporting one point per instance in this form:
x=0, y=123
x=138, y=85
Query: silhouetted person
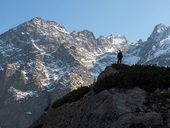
x=119, y=57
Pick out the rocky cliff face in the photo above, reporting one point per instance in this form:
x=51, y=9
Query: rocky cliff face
x=38, y=65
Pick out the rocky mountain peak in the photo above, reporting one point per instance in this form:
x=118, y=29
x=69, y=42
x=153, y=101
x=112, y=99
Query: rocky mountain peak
x=159, y=32
x=160, y=27
x=35, y=28
x=85, y=33
x=38, y=21
x=119, y=38
x=49, y=26
x=138, y=43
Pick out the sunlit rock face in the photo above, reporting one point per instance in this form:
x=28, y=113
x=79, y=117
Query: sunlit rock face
x=38, y=65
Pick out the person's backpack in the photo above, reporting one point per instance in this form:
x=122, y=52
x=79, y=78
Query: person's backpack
x=120, y=55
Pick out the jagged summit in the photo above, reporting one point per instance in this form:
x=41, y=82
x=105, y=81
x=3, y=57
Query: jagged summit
x=113, y=36
x=39, y=22
x=34, y=35
x=36, y=19
x=87, y=33
x=37, y=26
x=160, y=31
x=160, y=27
x=156, y=49
x=84, y=33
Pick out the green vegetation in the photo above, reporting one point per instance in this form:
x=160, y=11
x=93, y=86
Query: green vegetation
x=73, y=96
x=148, y=78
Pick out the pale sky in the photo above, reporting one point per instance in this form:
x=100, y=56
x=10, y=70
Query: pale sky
x=134, y=19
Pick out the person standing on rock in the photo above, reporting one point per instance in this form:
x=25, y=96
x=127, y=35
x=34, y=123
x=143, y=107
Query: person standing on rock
x=119, y=57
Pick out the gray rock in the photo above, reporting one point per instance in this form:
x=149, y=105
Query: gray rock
x=107, y=109
x=109, y=71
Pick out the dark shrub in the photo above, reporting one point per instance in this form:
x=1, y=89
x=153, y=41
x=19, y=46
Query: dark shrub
x=146, y=77
x=120, y=66
x=72, y=96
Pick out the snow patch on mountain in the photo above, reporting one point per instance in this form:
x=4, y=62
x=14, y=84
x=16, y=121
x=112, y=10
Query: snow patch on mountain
x=131, y=60
x=20, y=95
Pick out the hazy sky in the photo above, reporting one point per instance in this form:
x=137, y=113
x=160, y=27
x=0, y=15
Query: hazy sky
x=133, y=18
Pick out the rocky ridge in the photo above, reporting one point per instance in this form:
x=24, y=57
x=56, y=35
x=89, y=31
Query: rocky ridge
x=118, y=108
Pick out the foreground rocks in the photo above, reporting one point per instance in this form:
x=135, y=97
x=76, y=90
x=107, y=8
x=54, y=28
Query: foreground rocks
x=108, y=109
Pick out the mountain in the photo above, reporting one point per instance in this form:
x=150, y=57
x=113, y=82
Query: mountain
x=38, y=65
x=116, y=100
x=40, y=61
x=156, y=50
